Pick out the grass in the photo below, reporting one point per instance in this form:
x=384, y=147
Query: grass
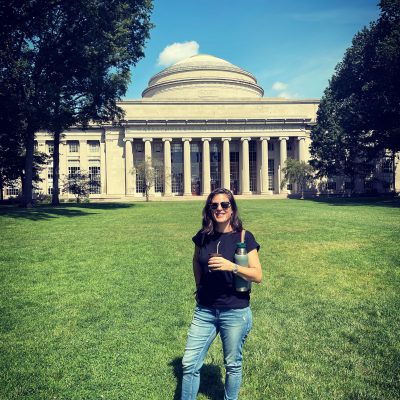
x=96, y=301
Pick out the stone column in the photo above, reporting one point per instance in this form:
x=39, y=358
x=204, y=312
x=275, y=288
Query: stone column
x=206, y=181
x=187, y=182
x=147, y=158
x=83, y=155
x=282, y=162
x=226, y=167
x=245, y=166
x=130, y=173
x=264, y=165
x=167, y=167
x=301, y=142
x=103, y=167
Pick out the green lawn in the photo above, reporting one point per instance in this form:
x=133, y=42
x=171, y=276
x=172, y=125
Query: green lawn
x=96, y=301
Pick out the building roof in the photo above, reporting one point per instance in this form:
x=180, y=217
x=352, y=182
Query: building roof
x=203, y=77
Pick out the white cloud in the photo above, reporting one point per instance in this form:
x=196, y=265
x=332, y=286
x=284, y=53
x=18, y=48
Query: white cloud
x=288, y=95
x=279, y=86
x=177, y=51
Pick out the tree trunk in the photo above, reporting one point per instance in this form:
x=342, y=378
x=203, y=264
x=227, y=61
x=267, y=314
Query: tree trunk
x=1, y=187
x=55, y=200
x=28, y=176
x=394, y=171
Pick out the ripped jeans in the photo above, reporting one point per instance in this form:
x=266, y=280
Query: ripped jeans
x=233, y=325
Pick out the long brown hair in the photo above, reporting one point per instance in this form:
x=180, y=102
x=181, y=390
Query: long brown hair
x=208, y=223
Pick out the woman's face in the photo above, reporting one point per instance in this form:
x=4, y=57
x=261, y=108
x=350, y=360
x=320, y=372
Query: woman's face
x=221, y=215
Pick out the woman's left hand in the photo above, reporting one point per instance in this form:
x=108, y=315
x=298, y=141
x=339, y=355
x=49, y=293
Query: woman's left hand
x=220, y=264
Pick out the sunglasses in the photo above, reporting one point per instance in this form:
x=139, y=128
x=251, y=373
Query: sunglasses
x=224, y=204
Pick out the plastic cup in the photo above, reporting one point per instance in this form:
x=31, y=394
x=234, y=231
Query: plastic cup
x=210, y=255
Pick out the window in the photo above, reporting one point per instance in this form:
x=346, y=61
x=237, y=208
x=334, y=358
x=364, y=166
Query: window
x=12, y=191
x=348, y=185
x=234, y=167
x=94, y=146
x=49, y=173
x=215, y=165
x=387, y=185
x=271, y=175
x=331, y=185
x=177, y=167
x=94, y=177
x=270, y=146
x=368, y=184
x=196, y=168
x=50, y=147
x=50, y=190
x=73, y=146
x=139, y=183
x=367, y=169
x=73, y=168
x=387, y=166
x=159, y=179
x=253, y=165
x=289, y=186
x=289, y=146
x=158, y=147
x=139, y=149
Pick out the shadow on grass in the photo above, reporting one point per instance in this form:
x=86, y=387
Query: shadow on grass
x=210, y=384
x=393, y=202
x=69, y=210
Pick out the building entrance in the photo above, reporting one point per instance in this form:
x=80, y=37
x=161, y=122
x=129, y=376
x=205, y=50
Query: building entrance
x=196, y=168
x=234, y=167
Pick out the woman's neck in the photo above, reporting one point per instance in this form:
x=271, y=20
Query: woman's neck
x=224, y=227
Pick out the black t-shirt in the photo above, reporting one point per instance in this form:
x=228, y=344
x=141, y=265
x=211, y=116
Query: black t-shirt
x=217, y=288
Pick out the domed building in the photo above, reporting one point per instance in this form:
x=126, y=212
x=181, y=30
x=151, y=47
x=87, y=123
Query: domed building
x=202, y=123
x=203, y=76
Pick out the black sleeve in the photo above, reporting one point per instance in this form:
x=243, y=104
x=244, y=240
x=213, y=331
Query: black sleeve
x=251, y=243
x=198, y=239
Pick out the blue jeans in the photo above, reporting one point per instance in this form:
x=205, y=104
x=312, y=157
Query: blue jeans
x=233, y=325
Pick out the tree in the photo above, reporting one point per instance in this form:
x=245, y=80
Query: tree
x=9, y=162
x=359, y=115
x=79, y=184
x=298, y=173
x=70, y=62
x=383, y=86
x=148, y=174
x=12, y=162
x=337, y=148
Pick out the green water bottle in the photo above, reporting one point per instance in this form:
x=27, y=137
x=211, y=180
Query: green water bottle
x=241, y=258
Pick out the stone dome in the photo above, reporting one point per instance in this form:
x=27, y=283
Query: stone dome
x=203, y=77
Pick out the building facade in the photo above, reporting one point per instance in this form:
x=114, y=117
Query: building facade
x=201, y=123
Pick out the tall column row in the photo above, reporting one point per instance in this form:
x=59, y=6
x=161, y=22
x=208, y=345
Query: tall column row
x=130, y=178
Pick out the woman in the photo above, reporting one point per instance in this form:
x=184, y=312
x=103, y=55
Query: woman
x=220, y=308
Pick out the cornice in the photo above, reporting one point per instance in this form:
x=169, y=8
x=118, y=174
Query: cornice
x=179, y=69
x=219, y=122
x=205, y=81
x=149, y=101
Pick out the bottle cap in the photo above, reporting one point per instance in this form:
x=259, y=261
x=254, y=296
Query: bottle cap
x=241, y=245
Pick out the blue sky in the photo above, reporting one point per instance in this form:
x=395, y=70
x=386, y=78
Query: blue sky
x=290, y=46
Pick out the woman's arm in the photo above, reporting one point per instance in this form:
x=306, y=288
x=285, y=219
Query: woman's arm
x=252, y=272
x=196, y=266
